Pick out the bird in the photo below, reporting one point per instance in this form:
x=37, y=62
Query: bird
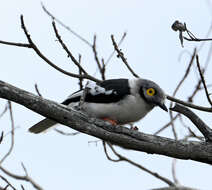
x=118, y=101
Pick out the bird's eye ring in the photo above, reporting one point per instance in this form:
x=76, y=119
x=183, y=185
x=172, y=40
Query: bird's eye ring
x=150, y=91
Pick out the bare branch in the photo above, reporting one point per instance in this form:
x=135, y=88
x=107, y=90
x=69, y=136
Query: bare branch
x=203, y=80
x=37, y=90
x=123, y=158
x=120, y=42
x=176, y=188
x=8, y=183
x=119, y=135
x=188, y=104
x=186, y=73
x=4, y=110
x=65, y=26
x=121, y=55
x=166, y=125
x=174, y=161
x=38, y=52
x=2, y=136
x=15, y=44
x=66, y=49
x=100, y=67
x=80, y=73
x=196, y=89
x=178, y=87
x=25, y=177
x=203, y=128
x=12, y=134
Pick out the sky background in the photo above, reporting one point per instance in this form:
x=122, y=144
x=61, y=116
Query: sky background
x=153, y=51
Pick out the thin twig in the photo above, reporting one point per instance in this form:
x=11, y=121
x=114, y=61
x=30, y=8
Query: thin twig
x=66, y=49
x=25, y=177
x=122, y=158
x=4, y=111
x=186, y=73
x=37, y=90
x=121, y=55
x=188, y=104
x=166, y=125
x=2, y=136
x=103, y=69
x=94, y=142
x=120, y=42
x=203, y=128
x=197, y=39
x=8, y=183
x=203, y=80
x=38, y=52
x=83, y=96
x=65, y=26
x=80, y=73
x=174, y=161
x=100, y=67
x=178, y=87
x=197, y=88
x=15, y=44
x=12, y=134
x=193, y=135
x=95, y=53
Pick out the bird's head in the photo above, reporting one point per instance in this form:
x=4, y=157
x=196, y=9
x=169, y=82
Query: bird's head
x=152, y=94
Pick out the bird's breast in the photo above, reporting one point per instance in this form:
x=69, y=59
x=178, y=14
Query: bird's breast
x=130, y=109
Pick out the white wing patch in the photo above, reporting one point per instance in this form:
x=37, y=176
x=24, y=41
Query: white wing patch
x=94, y=89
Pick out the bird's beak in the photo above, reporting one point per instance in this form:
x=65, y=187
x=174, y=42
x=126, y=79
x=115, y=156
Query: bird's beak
x=163, y=106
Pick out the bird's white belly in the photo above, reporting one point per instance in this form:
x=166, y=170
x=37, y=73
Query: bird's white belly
x=129, y=110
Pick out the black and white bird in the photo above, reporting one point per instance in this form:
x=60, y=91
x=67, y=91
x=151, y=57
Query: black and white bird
x=119, y=101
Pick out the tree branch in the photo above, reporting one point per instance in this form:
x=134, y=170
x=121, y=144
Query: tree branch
x=188, y=104
x=66, y=49
x=15, y=44
x=65, y=26
x=203, y=80
x=119, y=135
x=121, y=55
x=123, y=158
x=38, y=52
x=12, y=134
x=25, y=177
x=203, y=128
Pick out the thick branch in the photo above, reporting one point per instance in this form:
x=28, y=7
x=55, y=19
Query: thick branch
x=124, y=137
x=188, y=104
x=204, y=129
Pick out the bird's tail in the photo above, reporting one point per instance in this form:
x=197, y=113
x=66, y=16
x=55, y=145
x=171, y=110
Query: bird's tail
x=42, y=126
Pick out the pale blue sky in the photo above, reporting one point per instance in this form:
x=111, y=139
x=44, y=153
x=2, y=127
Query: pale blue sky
x=151, y=48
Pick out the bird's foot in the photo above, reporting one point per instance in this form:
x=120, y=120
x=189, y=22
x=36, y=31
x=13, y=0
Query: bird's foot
x=113, y=122
x=135, y=128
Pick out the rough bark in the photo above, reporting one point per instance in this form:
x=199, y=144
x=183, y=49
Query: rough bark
x=119, y=135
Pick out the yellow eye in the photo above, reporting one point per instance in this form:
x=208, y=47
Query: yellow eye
x=150, y=91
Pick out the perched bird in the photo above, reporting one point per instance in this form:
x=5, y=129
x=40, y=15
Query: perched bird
x=119, y=101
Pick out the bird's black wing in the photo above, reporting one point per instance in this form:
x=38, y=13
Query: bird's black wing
x=108, y=91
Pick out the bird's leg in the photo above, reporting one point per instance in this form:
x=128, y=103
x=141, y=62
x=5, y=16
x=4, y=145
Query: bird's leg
x=113, y=122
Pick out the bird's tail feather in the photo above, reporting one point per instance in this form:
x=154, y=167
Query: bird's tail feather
x=42, y=126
